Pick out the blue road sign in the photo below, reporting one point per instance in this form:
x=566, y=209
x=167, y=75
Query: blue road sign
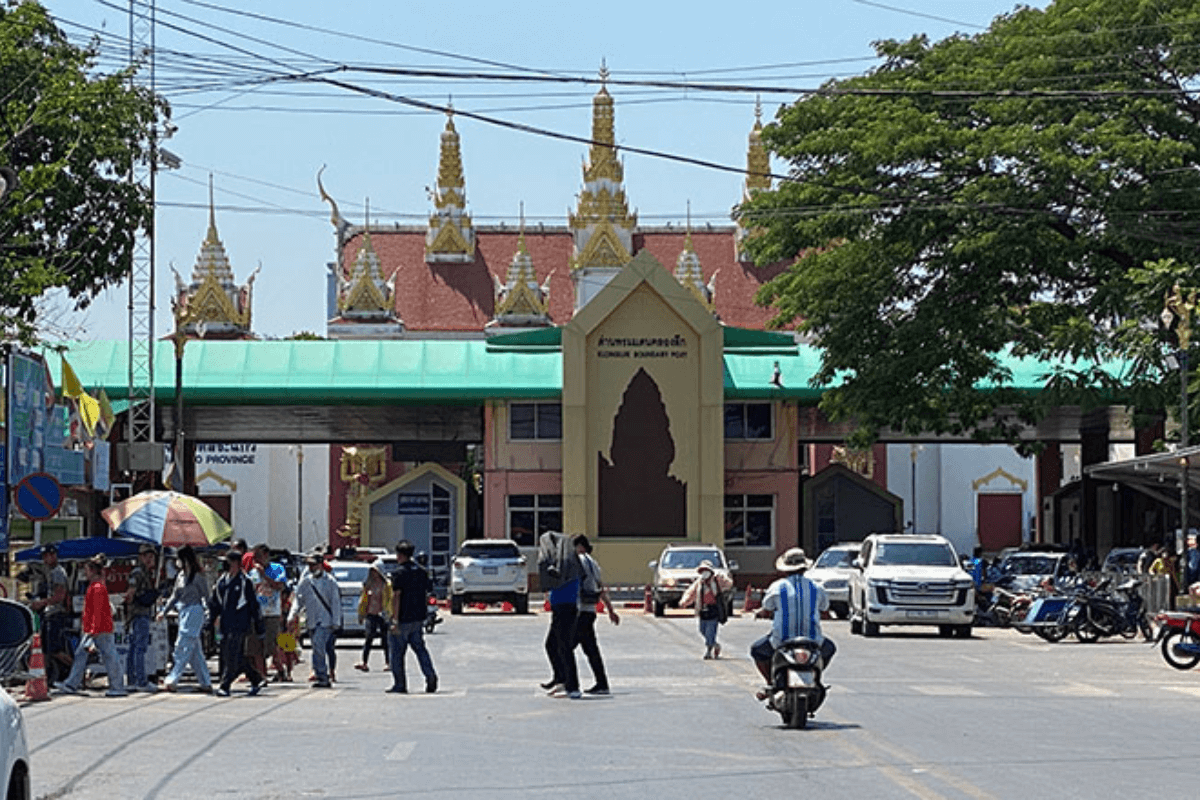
x=39, y=496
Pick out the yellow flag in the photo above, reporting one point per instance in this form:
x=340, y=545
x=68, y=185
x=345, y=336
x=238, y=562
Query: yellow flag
x=106, y=414
x=89, y=412
x=71, y=387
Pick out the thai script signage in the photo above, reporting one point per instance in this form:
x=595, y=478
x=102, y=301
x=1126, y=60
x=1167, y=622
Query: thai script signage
x=639, y=347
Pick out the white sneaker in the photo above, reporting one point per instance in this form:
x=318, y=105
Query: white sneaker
x=557, y=690
x=575, y=695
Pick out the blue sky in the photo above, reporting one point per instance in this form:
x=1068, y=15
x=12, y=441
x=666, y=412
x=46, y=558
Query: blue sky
x=265, y=142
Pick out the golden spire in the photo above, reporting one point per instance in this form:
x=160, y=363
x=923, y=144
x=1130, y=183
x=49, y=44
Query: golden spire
x=602, y=223
x=758, y=161
x=688, y=271
x=450, y=237
x=365, y=296
x=212, y=298
x=520, y=302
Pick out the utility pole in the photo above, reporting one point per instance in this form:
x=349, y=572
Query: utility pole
x=140, y=430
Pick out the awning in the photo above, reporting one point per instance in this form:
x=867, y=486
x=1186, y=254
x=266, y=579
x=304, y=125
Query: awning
x=1158, y=476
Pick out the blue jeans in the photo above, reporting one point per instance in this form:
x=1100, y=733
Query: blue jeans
x=322, y=641
x=108, y=654
x=708, y=629
x=135, y=659
x=402, y=637
x=188, y=649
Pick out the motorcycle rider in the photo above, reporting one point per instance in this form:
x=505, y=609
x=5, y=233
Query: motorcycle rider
x=795, y=605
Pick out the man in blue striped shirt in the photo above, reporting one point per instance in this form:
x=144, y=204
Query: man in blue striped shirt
x=795, y=605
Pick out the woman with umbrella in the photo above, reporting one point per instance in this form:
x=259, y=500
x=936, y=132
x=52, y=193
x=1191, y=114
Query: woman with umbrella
x=191, y=592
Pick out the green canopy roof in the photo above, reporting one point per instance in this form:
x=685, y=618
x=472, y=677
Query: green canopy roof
x=525, y=365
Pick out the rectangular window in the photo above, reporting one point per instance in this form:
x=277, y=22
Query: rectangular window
x=530, y=515
x=528, y=421
x=748, y=421
x=749, y=520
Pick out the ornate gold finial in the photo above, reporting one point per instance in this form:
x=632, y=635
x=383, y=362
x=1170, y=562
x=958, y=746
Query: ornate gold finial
x=603, y=74
x=758, y=161
x=688, y=271
x=212, y=301
x=519, y=301
x=212, y=213
x=450, y=237
x=602, y=224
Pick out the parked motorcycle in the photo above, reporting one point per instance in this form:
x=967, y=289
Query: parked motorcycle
x=432, y=620
x=796, y=688
x=1179, y=638
x=1112, y=612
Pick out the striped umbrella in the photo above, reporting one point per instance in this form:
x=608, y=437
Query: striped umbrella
x=168, y=519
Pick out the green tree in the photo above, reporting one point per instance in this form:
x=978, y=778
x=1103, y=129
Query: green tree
x=1020, y=192
x=71, y=136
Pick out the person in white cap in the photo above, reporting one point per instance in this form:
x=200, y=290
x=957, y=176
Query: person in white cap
x=795, y=605
x=707, y=594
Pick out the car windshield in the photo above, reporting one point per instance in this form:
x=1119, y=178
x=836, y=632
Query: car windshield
x=892, y=554
x=350, y=573
x=836, y=558
x=1031, y=565
x=690, y=559
x=499, y=550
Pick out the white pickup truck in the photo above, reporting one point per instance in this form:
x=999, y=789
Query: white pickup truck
x=908, y=579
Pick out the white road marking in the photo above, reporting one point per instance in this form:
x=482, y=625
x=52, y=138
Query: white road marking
x=401, y=751
x=1194, y=691
x=947, y=690
x=1080, y=690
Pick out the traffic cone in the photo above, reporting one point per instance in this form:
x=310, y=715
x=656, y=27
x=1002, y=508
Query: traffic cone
x=35, y=687
x=753, y=599
x=648, y=600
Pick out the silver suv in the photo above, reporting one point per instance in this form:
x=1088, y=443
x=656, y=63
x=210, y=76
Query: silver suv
x=675, y=570
x=908, y=579
x=489, y=571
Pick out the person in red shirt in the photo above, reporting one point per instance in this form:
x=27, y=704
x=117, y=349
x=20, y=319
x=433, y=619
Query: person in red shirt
x=97, y=635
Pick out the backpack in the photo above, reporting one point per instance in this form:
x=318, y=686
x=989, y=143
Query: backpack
x=557, y=562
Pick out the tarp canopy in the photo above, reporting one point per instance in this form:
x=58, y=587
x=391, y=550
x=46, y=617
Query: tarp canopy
x=82, y=549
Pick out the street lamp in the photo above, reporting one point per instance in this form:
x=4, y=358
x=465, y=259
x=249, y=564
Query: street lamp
x=183, y=317
x=1177, y=309
x=299, y=498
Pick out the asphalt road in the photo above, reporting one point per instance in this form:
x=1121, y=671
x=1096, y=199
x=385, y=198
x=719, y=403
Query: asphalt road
x=910, y=715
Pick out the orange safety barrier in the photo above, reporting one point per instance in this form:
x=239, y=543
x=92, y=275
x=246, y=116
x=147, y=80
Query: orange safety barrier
x=35, y=688
x=753, y=599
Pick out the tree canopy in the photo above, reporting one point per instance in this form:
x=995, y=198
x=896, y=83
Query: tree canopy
x=1029, y=191
x=70, y=135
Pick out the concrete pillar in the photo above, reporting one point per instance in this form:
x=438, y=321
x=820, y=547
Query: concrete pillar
x=1049, y=478
x=1093, y=432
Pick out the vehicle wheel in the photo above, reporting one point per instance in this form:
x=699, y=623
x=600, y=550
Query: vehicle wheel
x=1051, y=633
x=799, y=715
x=659, y=608
x=1086, y=632
x=1177, y=637
x=962, y=631
x=18, y=784
x=945, y=630
x=856, y=627
x=870, y=628
x=521, y=604
x=456, y=604
x=840, y=610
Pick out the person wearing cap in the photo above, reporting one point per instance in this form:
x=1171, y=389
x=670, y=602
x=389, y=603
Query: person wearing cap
x=189, y=595
x=140, y=599
x=97, y=627
x=318, y=595
x=51, y=603
x=269, y=580
x=795, y=605
x=707, y=595
x=235, y=608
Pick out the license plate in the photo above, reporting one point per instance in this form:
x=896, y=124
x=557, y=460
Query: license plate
x=799, y=680
x=491, y=570
x=925, y=613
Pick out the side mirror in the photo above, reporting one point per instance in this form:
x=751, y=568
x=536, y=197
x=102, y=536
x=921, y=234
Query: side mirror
x=857, y=563
x=653, y=564
x=16, y=629
x=734, y=566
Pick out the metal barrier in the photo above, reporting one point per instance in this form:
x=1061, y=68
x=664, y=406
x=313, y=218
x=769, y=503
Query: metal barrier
x=1156, y=592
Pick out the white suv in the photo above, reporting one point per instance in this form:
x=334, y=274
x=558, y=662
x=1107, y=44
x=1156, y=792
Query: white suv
x=908, y=579
x=489, y=571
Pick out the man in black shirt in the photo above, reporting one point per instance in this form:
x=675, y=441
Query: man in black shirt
x=410, y=592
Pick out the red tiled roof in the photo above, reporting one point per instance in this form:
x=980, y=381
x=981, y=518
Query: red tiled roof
x=461, y=297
